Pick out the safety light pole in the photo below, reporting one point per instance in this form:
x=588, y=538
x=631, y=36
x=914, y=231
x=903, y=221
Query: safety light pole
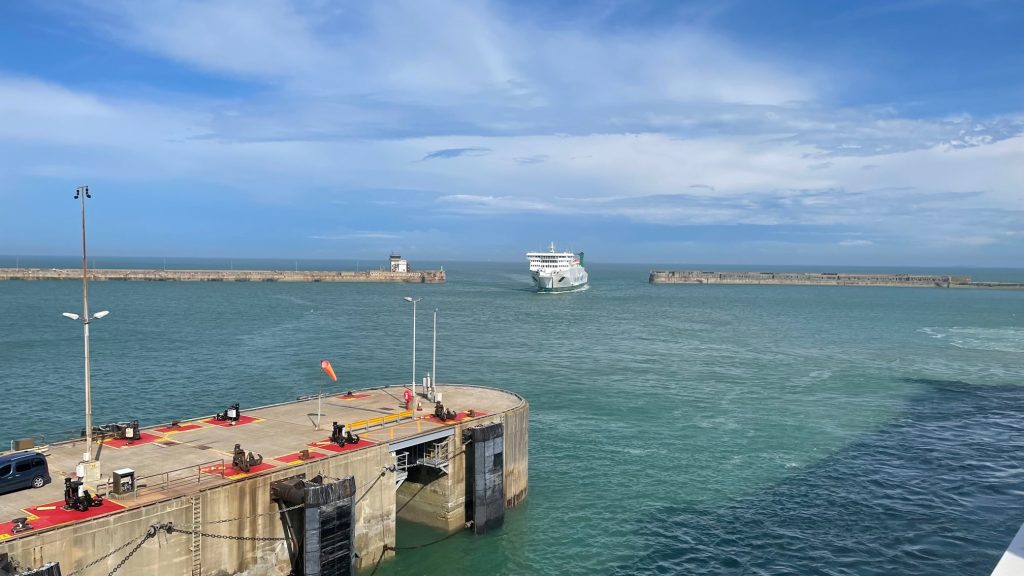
x=433, y=362
x=408, y=299
x=82, y=192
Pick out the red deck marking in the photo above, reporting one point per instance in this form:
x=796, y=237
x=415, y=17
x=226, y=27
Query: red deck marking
x=352, y=396
x=241, y=420
x=54, y=514
x=179, y=428
x=145, y=438
x=293, y=458
x=328, y=445
x=230, y=471
x=459, y=417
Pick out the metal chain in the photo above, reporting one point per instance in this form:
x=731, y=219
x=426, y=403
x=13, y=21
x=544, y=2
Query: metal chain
x=271, y=513
x=152, y=531
x=372, y=484
x=170, y=529
x=442, y=539
x=149, y=534
x=85, y=568
x=383, y=472
x=231, y=537
x=379, y=560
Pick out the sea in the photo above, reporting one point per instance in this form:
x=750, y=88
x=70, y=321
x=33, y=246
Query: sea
x=674, y=429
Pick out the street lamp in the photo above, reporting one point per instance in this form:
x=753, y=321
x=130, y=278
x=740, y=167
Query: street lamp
x=433, y=363
x=408, y=299
x=90, y=470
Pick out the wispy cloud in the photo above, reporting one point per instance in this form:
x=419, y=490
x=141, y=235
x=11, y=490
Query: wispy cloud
x=475, y=204
x=534, y=159
x=357, y=236
x=444, y=64
x=676, y=124
x=456, y=152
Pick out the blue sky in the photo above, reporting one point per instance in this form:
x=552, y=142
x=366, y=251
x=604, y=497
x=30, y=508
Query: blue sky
x=725, y=131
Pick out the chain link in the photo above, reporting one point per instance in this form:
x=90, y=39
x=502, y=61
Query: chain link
x=149, y=534
x=85, y=568
x=170, y=529
x=271, y=513
x=230, y=537
x=133, y=551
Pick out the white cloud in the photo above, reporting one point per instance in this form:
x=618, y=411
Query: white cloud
x=39, y=111
x=973, y=240
x=357, y=236
x=653, y=178
x=476, y=204
x=419, y=53
x=269, y=39
x=675, y=128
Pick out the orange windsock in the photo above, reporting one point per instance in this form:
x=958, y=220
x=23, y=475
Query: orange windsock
x=326, y=365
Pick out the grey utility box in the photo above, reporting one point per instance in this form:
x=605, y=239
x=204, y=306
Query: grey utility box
x=124, y=481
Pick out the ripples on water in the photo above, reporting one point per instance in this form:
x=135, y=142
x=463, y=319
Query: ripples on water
x=920, y=496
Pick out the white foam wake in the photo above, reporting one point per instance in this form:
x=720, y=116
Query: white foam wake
x=1008, y=339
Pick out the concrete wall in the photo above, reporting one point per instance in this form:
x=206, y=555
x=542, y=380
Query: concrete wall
x=82, y=543
x=420, y=277
x=517, y=455
x=442, y=505
x=800, y=278
x=430, y=497
x=169, y=555
x=440, y=500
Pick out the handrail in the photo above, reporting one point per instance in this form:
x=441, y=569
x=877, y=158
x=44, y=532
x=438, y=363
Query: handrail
x=166, y=481
x=381, y=421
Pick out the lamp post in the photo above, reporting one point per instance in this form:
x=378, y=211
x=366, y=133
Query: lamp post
x=91, y=470
x=433, y=362
x=408, y=299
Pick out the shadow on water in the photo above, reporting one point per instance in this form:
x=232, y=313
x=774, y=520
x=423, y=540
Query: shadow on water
x=938, y=491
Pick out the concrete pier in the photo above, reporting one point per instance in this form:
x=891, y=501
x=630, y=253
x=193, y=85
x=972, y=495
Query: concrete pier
x=226, y=520
x=823, y=279
x=413, y=276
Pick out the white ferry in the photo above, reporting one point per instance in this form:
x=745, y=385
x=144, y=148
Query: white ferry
x=557, y=271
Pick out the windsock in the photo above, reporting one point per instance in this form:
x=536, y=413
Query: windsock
x=326, y=366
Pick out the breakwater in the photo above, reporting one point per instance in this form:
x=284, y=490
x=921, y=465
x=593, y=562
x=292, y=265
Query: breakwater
x=113, y=274
x=304, y=494
x=822, y=279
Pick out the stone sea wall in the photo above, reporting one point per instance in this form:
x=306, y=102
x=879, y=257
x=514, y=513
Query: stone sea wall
x=419, y=277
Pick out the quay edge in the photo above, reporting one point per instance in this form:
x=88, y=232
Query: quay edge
x=235, y=513
x=112, y=274
x=824, y=279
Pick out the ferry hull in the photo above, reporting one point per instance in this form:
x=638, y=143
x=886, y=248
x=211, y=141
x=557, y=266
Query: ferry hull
x=562, y=281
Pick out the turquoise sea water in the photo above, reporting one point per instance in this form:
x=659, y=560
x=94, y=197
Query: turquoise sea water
x=674, y=429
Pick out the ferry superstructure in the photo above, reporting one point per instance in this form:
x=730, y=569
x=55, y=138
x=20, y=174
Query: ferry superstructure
x=557, y=271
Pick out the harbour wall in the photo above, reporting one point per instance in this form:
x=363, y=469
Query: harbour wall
x=822, y=279
x=104, y=274
x=237, y=546
x=241, y=526
x=440, y=500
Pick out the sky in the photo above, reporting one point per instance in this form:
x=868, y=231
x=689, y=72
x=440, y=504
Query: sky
x=857, y=133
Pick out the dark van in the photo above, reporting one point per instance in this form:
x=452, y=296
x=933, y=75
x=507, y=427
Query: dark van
x=23, y=470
